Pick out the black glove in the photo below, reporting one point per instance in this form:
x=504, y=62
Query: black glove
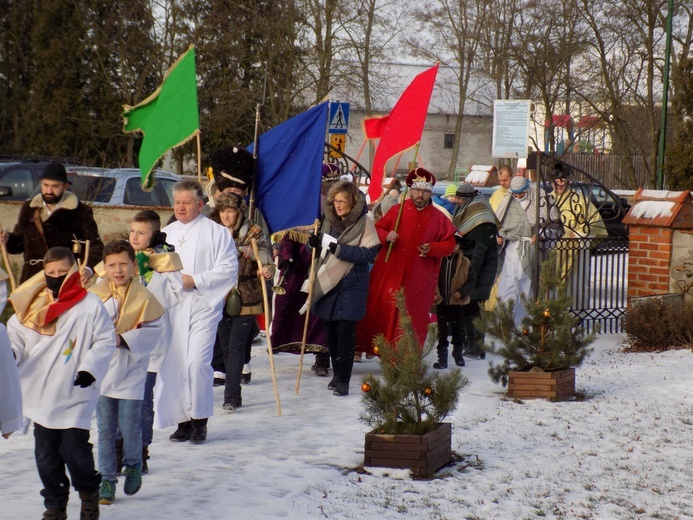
x=284, y=264
x=333, y=247
x=314, y=241
x=83, y=379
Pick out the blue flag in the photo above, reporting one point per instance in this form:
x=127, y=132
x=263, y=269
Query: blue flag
x=289, y=170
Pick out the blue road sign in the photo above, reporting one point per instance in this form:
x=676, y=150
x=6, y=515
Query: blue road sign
x=339, y=118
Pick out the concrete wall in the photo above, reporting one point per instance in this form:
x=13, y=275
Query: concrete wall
x=475, y=146
x=113, y=221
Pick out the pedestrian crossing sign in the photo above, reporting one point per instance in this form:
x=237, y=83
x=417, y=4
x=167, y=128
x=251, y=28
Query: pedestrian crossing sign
x=339, y=118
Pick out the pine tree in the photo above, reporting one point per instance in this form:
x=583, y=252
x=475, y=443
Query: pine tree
x=409, y=399
x=548, y=338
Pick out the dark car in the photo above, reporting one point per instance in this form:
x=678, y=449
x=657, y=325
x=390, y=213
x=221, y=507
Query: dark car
x=19, y=178
x=611, y=207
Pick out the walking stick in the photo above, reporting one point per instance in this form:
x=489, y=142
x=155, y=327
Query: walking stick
x=399, y=216
x=265, y=301
x=311, y=278
x=6, y=259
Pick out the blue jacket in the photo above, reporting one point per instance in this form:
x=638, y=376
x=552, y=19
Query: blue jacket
x=347, y=300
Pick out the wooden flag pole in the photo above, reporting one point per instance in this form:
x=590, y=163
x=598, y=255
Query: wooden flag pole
x=199, y=157
x=311, y=279
x=265, y=301
x=401, y=206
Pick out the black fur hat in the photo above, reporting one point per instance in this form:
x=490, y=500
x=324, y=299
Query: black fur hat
x=232, y=167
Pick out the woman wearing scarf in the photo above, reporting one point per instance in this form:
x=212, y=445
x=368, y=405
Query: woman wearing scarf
x=346, y=245
x=244, y=302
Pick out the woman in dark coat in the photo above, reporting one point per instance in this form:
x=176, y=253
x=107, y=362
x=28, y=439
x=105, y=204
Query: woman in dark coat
x=347, y=243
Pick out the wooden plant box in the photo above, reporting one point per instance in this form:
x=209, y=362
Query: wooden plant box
x=554, y=386
x=423, y=454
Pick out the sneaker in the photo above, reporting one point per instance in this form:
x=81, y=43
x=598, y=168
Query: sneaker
x=133, y=479
x=182, y=434
x=198, y=434
x=229, y=407
x=145, y=458
x=90, y=504
x=245, y=378
x=55, y=514
x=107, y=492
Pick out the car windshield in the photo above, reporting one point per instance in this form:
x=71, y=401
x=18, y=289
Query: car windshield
x=91, y=188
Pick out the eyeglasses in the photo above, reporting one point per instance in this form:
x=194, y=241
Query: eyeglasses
x=339, y=202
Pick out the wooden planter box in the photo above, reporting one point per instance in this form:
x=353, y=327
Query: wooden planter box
x=423, y=454
x=554, y=386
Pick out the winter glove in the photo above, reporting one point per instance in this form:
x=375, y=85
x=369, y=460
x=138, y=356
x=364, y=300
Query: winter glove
x=285, y=264
x=314, y=242
x=84, y=379
x=333, y=247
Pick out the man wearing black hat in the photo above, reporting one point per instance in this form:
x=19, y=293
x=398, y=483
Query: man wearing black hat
x=54, y=217
x=477, y=223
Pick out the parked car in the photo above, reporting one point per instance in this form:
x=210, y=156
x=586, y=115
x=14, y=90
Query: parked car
x=121, y=187
x=19, y=178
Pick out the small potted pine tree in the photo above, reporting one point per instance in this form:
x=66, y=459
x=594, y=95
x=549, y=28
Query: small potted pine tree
x=541, y=354
x=406, y=407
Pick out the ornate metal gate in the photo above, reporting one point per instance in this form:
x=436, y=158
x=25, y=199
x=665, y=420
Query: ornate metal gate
x=589, y=240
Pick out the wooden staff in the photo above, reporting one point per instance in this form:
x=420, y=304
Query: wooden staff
x=6, y=259
x=311, y=279
x=267, y=322
x=401, y=206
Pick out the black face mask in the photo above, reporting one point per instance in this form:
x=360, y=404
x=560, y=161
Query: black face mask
x=54, y=283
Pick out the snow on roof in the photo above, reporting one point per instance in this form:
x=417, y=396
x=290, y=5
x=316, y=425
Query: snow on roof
x=652, y=209
x=477, y=177
x=660, y=194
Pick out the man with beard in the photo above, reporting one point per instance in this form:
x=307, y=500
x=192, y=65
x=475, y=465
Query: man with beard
x=424, y=236
x=54, y=217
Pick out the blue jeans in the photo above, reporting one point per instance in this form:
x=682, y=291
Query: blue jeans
x=124, y=415
x=148, y=409
x=55, y=449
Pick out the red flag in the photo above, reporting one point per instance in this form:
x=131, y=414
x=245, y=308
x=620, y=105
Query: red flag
x=402, y=128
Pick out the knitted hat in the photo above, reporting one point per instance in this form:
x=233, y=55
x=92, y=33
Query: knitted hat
x=229, y=200
x=421, y=179
x=450, y=190
x=55, y=171
x=519, y=184
x=466, y=190
x=330, y=172
x=232, y=167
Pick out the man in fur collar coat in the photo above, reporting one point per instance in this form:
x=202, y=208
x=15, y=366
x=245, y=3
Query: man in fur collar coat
x=54, y=217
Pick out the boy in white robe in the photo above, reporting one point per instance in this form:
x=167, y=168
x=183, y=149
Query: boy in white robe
x=11, y=418
x=63, y=341
x=137, y=316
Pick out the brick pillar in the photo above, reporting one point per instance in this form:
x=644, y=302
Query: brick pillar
x=649, y=260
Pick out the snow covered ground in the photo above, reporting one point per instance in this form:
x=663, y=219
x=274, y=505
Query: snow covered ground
x=623, y=450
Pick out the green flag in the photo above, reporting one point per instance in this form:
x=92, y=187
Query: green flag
x=167, y=118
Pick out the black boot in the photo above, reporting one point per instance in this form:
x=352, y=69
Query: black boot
x=198, y=434
x=442, y=357
x=90, y=505
x=457, y=356
x=341, y=389
x=322, y=364
x=182, y=434
x=55, y=514
x=332, y=384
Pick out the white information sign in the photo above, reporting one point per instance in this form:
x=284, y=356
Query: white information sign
x=510, y=128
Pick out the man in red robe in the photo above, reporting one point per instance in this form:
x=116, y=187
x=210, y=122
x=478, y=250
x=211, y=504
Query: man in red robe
x=424, y=236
